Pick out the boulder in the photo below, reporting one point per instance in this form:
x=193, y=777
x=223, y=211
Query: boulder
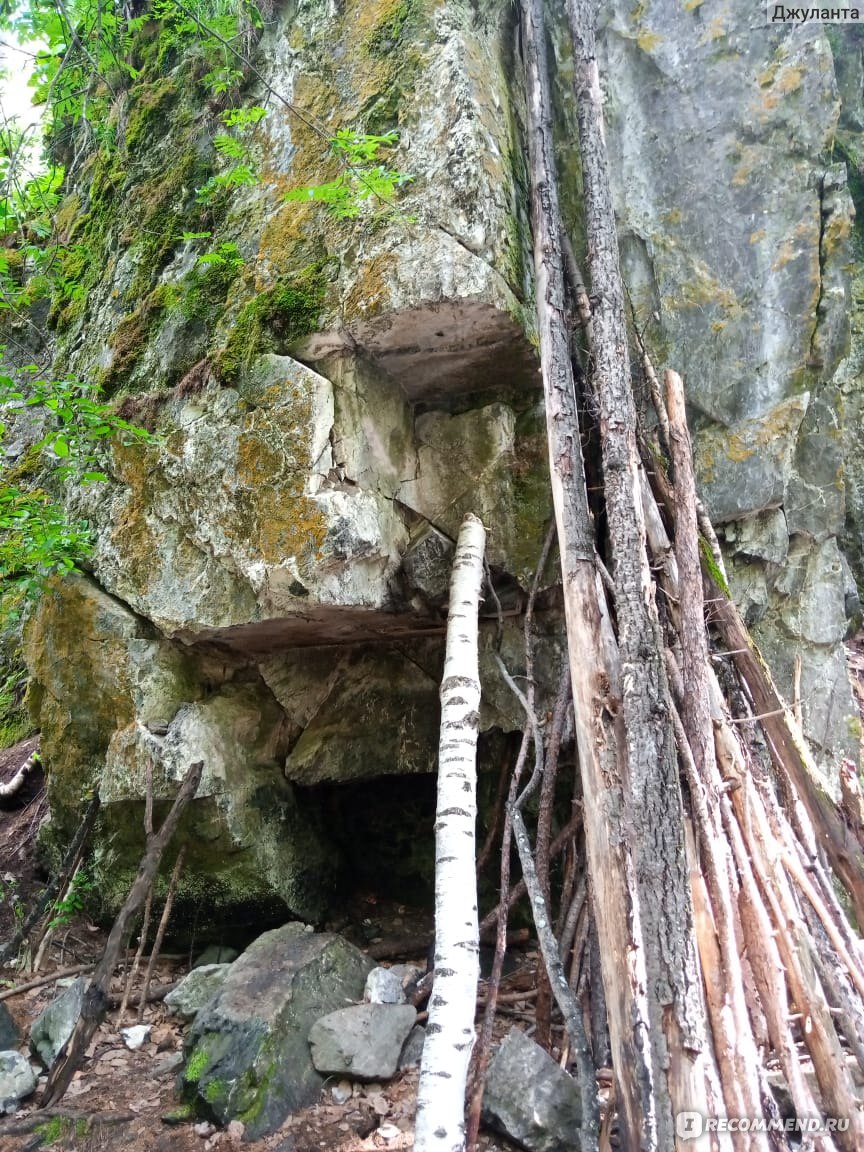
x=363, y=1041
x=196, y=990
x=384, y=986
x=17, y=1080
x=393, y=985
x=54, y=1025
x=247, y=1053
x=530, y=1099
x=412, y=1049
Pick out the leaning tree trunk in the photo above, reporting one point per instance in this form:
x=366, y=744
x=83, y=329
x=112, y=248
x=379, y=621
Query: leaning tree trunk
x=593, y=657
x=450, y=1032
x=672, y=1025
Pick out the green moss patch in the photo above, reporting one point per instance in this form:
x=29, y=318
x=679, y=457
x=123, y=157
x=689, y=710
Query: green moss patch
x=271, y=321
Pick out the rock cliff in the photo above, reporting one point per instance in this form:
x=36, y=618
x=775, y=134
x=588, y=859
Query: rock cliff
x=330, y=396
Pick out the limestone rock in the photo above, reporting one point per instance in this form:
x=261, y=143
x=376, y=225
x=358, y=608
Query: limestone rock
x=379, y=719
x=721, y=232
x=231, y=521
x=55, y=1024
x=363, y=1041
x=492, y=462
x=744, y=469
x=247, y=1054
x=196, y=990
x=141, y=702
x=530, y=1099
x=383, y=986
x=17, y=1080
x=761, y=537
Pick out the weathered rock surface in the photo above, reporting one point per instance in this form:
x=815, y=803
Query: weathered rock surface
x=270, y=573
x=54, y=1025
x=17, y=1080
x=531, y=1099
x=363, y=1041
x=736, y=235
x=247, y=1054
x=394, y=985
x=383, y=986
x=197, y=990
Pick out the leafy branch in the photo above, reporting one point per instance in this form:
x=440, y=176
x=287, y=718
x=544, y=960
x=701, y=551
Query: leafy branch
x=364, y=179
x=37, y=539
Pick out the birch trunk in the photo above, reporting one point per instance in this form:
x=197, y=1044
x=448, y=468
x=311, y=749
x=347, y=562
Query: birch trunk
x=450, y=1031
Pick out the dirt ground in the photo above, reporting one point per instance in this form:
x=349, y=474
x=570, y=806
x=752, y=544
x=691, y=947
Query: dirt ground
x=122, y=1100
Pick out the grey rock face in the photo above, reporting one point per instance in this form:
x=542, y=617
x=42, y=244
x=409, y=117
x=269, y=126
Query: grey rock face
x=17, y=1080
x=10, y=1037
x=412, y=1049
x=54, y=1025
x=196, y=990
x=363, y=1041
x=736, y=235
x=531, y=1099
x=247, y=1054
x=384, y=986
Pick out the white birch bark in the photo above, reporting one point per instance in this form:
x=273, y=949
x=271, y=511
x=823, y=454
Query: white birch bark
x=450, y=1031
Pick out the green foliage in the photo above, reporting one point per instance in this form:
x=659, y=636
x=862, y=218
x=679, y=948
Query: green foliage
x=236, y=149
x=36, y=538
x=72, y=904
x=11, y=898
x=365, y=184
x=227, y=255
x=14, y=720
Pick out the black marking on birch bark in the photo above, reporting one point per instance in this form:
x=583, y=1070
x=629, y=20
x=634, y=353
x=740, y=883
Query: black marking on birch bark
x=454, y=812
x=457, y=682
x=443, y=1075
x=445, y=971
x=432, y=1029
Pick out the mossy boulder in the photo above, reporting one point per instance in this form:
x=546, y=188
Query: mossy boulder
x=247, y=1054
x=234, y=518
x=116, y=703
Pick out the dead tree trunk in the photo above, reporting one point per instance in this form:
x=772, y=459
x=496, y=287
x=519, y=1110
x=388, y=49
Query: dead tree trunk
x=675, y=1029
x=96, y=997
x=591, y=643
x=769, y=943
